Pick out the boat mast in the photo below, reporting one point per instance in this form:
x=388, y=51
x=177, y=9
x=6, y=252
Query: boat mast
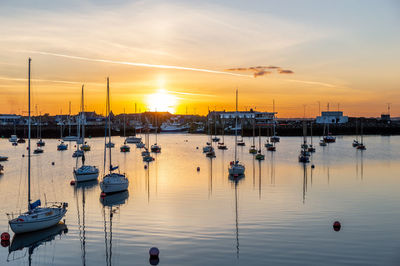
x=259, y=138
x=109, y=120
x=83, y=117
x=273, y=110
x=124, y=121
x=69, y=120
x=29, y=134
x=236, y=124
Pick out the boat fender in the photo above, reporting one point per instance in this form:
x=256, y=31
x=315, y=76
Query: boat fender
x=5, y=236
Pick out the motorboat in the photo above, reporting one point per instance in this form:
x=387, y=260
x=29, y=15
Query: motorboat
x=110, y=145
x=40, y=143
x=322, y=143
x=155, y=148
x=125, y=148
x=38, y=151
x=21, y=140
x=275, y=139
x=253, y=149
x=3, y=158
x=85, y=147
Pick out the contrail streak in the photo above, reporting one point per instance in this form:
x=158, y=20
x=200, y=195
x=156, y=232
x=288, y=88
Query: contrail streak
x=140, y=64
x=41, y=80
x=189, y=93
x=315, y=83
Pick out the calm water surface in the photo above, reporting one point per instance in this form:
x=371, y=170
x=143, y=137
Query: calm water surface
x=280, y=213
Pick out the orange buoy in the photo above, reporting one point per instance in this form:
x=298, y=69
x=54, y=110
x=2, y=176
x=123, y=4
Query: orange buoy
x=72, y=183
x=5, y=236
x=337, y=226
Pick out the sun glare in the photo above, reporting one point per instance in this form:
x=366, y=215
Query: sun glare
x=162, y=101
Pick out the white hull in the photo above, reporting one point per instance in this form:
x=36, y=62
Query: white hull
x=116, y=187
x=85, y=177
x=30, y=226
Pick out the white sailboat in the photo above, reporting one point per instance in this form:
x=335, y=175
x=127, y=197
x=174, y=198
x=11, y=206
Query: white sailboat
x=235, y=167
x=112, y=182
x=36, y=217
x=125, y=148
x=156, y=147
x=84, y=172
x=259, y=155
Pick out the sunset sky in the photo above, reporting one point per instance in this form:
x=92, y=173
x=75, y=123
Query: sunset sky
x=182, y=55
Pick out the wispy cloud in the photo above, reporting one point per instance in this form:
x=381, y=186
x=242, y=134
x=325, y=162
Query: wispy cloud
x=262, y=70
x=137, y=64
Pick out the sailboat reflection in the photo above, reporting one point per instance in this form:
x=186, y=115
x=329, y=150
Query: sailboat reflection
x=111, y=203
x=305, y=185
x=33, y=240
x=210, y=183
x=84, y=187
x=236, y=181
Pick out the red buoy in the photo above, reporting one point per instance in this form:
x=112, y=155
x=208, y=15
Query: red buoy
x=337, y=226
x=103, y=194
x=72, y=183
x=5, y=236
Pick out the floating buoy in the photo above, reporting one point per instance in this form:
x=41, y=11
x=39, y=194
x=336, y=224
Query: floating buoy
x=198, y=168
x=337, y=226
x=6, y=243
x=23, y=155
x=52, y=163
x=5, y=236
x=197, y=148
x=72, y=183
x=155, y=261
x=103, y=194
x=145, y=166
x=154, y=252
x=312, y=166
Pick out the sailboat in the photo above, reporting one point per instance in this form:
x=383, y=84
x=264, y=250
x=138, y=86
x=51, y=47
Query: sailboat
x=125, y=148
x=62, y=146
x=241, y=141
x=40, y=143
x=155, y=147
x=36, y=217
x=356, y=142
x=361, y=145
x=253, y=149
x=221, y=145
x=235, y=168
x=85, y=146
x=259, y=155
x=304, y=156
x=208, y=147
x=270, y=145
x=14, y=139
x=311, y=147
x=274, y=137
x=215, y=138
x=112, y=182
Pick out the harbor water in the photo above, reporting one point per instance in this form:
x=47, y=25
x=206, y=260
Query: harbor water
x=280, y=213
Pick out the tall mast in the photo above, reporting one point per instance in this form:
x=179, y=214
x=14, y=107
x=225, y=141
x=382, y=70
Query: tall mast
x=236, y=124
x=124, y=121
x=69, y=120
x=83, y=117
x=29, y=135
x=109, y=120
x=259, y=138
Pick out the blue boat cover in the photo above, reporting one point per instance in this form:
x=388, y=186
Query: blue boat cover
x=35, y=204
x=113, y=168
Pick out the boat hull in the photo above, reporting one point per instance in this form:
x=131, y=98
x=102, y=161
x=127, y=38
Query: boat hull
x=113, y=187
x=85, y=177
x=25, y=227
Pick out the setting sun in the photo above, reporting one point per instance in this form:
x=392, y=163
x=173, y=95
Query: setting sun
x=162, y=101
